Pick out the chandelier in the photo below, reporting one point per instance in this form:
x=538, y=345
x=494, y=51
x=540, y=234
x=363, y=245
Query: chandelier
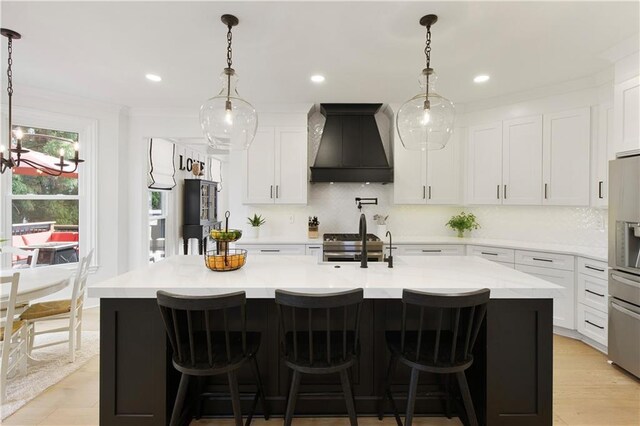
x=425, y=122
x=16, y=153
x=228, y=121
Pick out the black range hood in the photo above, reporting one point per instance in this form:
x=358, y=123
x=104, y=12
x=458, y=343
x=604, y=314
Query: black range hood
x=351, y=149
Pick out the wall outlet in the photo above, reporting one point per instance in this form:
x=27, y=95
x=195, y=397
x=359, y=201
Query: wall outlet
x=292, y=219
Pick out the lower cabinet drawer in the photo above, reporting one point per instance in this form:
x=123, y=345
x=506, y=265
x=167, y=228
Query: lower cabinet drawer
x=430, y=250
x=273, y=249
x=544, y=260
x=593, y=267
x=492, y=253
x=593, y=292
x=592, y=323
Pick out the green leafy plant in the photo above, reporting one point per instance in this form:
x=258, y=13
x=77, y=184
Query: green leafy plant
x=256, y=220
x=463, y=222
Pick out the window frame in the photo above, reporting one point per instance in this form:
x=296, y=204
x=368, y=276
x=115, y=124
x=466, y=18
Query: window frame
x=87, y=130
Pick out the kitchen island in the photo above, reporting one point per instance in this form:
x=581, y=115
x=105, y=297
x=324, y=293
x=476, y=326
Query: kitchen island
x=511, y=379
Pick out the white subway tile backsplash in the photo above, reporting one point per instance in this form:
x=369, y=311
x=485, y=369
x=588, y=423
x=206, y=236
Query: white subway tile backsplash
x=336, y=209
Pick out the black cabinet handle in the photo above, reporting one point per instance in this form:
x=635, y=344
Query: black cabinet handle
x=505, y=192
x=539, y=259
x=490, y=254
x=271, y=192
x=432, y=251
x=593, y=292
x=593, y=268
x=277, y=187
x=269, y=251
x=429, y=191
x=424, y=192
x=546, y=192
x=595, y=325
x=314, y=247
x=498, y=192
x=600, y=190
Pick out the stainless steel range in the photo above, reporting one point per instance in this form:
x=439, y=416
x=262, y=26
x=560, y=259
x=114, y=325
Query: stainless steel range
x=348, y=248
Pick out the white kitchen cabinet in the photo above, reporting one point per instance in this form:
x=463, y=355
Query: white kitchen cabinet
x=545, y=260
x=430, y=250
x=495, y=254
x=273, y=249
x=443, y=172
x=627, y=115
x=275, y=167
x=427, y=177
x=566, y=157
x=485, y=164
x=314, y=250
x=563, y=299
x=592, y=324
x=593, y=292
x=522, y=161
x=602, y=154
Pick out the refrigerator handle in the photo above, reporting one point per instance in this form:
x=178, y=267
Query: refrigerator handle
x=625, y=311
x=625, y=280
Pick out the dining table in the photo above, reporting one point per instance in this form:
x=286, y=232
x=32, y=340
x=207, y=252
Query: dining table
x=36, y=283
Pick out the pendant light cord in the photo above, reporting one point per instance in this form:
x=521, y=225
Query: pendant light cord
x=229, y=60
x=10, y=83
x=427, y=53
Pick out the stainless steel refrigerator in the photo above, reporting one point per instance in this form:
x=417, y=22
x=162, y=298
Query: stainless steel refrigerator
x=624, y=260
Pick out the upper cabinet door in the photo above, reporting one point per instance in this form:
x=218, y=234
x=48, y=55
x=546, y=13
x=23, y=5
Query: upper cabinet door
x=566, y=158
x=627, y=115
x=259, y=170
x=409, y=175
x=443, y=172
x=602, y=153
x=291, y=166
x=522, y=161
x=485, y=164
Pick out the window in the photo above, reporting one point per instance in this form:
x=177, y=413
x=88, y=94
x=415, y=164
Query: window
x=157, y=225
x=45, y=210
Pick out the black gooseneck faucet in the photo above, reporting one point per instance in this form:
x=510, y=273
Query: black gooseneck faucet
x=363, y=234
x=390, y=257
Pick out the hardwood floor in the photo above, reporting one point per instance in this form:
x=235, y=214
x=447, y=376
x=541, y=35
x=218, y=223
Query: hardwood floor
x=587, y=391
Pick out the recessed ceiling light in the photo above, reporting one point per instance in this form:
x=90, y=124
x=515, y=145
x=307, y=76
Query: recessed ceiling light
x=153, y=77
x=317, y=78
x=482, y=78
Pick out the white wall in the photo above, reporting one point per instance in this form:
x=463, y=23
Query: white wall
x=110, y=164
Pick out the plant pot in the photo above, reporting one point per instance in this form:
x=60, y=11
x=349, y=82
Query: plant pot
x=381, y=231
x=460, y=233
x=313, y=232
x=253, y=232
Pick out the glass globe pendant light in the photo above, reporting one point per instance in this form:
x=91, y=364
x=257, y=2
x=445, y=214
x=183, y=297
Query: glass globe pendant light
x=228, y=121
x=425, y=122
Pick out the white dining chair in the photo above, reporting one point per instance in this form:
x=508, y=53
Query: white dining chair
x=70, y=309
x=25, y=252
x=13, y=335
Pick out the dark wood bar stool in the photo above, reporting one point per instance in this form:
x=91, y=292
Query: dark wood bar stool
x=208, y=336
x=319, y=335
x=444, y=346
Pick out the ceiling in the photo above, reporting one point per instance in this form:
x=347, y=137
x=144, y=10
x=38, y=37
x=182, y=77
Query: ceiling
x=369, y=52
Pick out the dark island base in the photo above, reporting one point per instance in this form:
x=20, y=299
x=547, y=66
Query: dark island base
x=510, y=380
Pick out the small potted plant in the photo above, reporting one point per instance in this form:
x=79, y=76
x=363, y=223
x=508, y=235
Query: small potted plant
x=313, y=226
x=381, y=221
x=463, y=222
x=256, y=221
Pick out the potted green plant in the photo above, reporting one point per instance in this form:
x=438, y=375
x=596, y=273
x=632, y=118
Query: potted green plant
x=256, y=222
x=463, y=222
x=381, y=221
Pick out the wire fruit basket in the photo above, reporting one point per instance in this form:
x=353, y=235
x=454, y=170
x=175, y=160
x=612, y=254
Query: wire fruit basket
x=223, y=258
x=227, y=260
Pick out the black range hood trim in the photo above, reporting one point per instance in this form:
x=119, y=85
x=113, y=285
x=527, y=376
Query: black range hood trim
x=352, y=174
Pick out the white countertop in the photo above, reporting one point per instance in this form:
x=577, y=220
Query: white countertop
x=596, y=253
x=262, y=275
